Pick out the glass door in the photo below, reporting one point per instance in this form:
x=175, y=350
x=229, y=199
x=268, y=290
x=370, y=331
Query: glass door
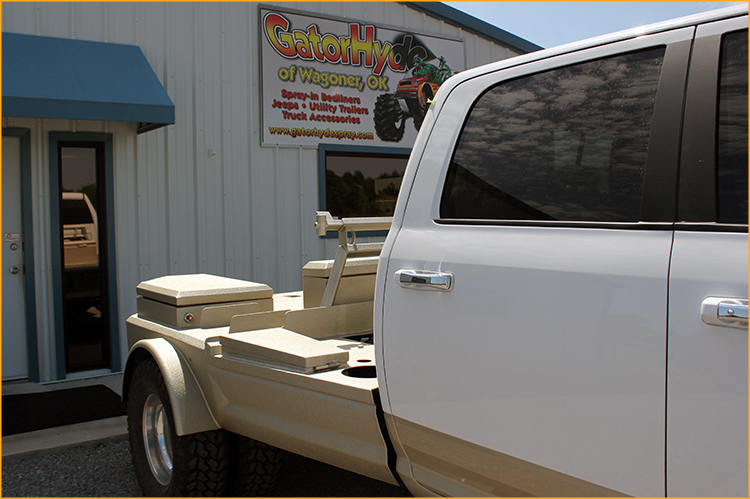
x=84, y=272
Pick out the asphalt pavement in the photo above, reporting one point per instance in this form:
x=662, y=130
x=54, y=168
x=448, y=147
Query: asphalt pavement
x=93, y=460
x=98, y=470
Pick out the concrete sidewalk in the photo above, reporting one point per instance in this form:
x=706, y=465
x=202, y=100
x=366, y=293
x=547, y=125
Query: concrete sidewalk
x=57, y=439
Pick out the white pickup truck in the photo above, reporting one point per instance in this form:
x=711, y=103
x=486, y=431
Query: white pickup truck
x=559, y=308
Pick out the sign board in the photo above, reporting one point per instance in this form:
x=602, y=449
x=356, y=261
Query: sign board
x=347, y=82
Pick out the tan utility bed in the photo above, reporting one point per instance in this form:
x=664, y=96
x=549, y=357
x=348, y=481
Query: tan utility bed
x=297, y=378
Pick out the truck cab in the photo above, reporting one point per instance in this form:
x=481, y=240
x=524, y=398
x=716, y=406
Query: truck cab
x=589, y=205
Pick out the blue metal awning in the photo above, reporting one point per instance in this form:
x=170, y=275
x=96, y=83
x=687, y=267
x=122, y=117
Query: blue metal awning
x=47, y=77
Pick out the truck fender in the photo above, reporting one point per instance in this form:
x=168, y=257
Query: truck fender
x=189, y=407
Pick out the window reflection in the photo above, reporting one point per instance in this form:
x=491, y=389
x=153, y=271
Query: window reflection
x=86, y=338
x=361, y=186
x=732, y=131
x=567, y=144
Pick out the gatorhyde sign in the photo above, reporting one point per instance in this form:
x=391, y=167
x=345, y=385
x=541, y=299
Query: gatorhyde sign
x=348, y=82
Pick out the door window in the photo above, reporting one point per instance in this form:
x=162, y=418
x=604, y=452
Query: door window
x=85, y=304
x=567, y=144
x=732, y=130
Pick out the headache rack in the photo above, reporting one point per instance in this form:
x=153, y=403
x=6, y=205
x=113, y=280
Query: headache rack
x=347, y=228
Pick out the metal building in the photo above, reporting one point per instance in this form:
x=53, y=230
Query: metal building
x=144, y=139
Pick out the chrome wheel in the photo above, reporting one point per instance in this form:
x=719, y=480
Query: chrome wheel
x=157, y=439
x=168, y=465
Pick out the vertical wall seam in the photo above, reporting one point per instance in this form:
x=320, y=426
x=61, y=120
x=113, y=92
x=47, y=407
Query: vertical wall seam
x=105, y=15
x=226, y=212
x=165, y=132
x=196, y=133
x=254, y=136
x=72, y=22
x=302, y=214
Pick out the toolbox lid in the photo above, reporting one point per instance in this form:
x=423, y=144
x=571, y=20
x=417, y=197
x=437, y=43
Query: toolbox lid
x=353, y=266
x=284, y=348
x=202, y=289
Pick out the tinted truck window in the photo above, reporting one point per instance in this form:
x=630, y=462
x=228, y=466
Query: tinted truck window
x=568, y=144
x=732, y=130
x=75, y=212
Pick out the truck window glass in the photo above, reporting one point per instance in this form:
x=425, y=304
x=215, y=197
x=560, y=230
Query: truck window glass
x=567, y=144
x=75, y=212
x=732, y=130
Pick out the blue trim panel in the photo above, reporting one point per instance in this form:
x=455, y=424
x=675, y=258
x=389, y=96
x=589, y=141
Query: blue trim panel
x=114, y=316
x=47, y=77
x=57, y=258
x=471, y=24
x=57, y=264
x=28, y=251
x=21, y=107
x=324, y=148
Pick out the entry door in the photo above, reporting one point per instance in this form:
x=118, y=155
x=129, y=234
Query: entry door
x=83, y=236
x=15, y=355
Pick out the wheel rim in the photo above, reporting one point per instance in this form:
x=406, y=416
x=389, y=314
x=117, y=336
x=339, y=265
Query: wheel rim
x=157, y=439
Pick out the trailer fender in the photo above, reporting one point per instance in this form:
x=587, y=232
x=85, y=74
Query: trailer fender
x=189, y=407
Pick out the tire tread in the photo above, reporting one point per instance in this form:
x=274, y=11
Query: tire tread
x=255, y=467
x=201, y=460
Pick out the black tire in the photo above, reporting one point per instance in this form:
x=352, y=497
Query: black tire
x=421, y=106
x=254, y=467
x=179, y=466
x=417, y=113
x=389, y=119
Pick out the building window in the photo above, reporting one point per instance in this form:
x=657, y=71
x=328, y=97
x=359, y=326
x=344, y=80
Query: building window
x=361, y=183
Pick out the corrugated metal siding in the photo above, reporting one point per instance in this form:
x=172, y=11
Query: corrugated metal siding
x=247, y=212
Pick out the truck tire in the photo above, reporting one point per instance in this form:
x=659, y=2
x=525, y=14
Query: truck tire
x=168, y=465
x=389, y=119
x=422, y=106
x=417, y=113
x=254, y=467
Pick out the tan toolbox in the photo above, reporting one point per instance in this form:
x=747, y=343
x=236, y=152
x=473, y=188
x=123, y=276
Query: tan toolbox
x=357, y=282
x=200, y=300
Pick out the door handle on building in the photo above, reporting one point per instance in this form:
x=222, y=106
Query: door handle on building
x=424, y=279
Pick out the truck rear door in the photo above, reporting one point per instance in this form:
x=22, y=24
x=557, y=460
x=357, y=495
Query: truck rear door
x=707, y=384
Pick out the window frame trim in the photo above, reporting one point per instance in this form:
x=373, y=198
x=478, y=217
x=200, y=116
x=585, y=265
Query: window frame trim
x=105, y=141
x=324, y=149
x=558, y=224
x=668, y=109
x=697, y=201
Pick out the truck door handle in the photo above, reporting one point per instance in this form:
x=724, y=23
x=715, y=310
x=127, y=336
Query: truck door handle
x=728, y=312
x=424, y=279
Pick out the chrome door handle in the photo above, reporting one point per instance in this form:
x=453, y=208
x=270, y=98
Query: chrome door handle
x=728, y=312
x=424, y=279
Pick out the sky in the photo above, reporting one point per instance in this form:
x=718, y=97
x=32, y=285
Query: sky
x=549, y=24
